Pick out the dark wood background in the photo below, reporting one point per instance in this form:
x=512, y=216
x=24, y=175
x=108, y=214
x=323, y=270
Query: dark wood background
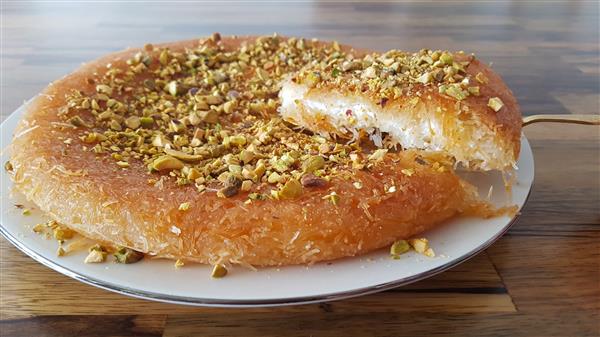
x=541, y=279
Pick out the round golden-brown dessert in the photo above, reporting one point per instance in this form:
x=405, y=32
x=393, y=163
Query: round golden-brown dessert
x=177, y=150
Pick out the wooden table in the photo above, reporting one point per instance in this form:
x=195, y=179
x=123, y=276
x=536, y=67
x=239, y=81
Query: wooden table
x=540, y=279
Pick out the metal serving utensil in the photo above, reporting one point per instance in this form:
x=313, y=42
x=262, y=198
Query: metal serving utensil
x=571, y=119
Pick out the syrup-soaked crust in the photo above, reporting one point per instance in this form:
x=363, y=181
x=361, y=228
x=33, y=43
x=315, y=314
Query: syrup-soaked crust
x=88, y=193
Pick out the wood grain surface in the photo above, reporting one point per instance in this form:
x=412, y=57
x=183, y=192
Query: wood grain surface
x=540, y=279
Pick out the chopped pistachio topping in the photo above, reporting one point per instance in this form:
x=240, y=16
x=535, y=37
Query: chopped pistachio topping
x=391, y=74
x=95, y=256
x=206, y=117
x=8, y=167
x=310, y=180
x=419, y=244
x=429, y=252
x=378, y=154
x=219, y=271
x=398, y=248
x=184, y=206
x=127, y=255
x=313, y=163
x=166, y=163
x=60, y=251
x=179, y=263
x=291, y=189
x=39, y=228
x=62, y=233
x=495, y=103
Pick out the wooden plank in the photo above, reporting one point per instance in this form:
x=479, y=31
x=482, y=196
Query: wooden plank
x=85, y=326
x=380, y=324
x=554, y=274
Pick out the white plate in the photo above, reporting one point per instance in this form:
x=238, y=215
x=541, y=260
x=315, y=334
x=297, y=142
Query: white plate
x=453, y=243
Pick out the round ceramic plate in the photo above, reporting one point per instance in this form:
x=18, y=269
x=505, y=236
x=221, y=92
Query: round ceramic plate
x=154, y=279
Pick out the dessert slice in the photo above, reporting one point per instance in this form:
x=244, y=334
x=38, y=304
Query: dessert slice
x=431, y=100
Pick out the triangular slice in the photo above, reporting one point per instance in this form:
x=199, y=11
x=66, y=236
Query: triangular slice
x=431, y=100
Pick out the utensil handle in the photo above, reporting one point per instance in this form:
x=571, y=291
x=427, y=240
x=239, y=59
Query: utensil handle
x=573, y=119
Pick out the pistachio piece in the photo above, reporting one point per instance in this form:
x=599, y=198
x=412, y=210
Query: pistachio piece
x=378, y=155
x=262, y=74
x=122, y=164
x=128, y=255
x=425, y=78
x=229, y=107
x=370, y=72
x=39, y=228
x=291, y=189
x=95, y=256
x=94, y=137
x=246, y=185
x=237, y=140
x=166, y=162
x=171, y=88
x=219, y=271
x=133, y=122
x=246, y=156
x=61, y=233
x=420, y=245
x=209, y=116
x=310, y=180
x=312, y=79
x=77, y=121
x=473, y=91
x=429, y=252
x=495, y=103
x=146, y=121
x=447, y=58
x=182, y=155
x=213, y=100
x=456, y=92
x=176, y=126
x=193, y=174
x=164, y=57
x=232, y=187
x=351, y=65
x=179, y=263
x=115, y=125
x=104, y=89
x=235, y=169
x=184, y=206
x=399, y=247
x=313, y=163
x=106, y=115
x=274, y=178
x=8, y=167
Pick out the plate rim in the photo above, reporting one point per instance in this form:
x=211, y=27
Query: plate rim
x=256, y=303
